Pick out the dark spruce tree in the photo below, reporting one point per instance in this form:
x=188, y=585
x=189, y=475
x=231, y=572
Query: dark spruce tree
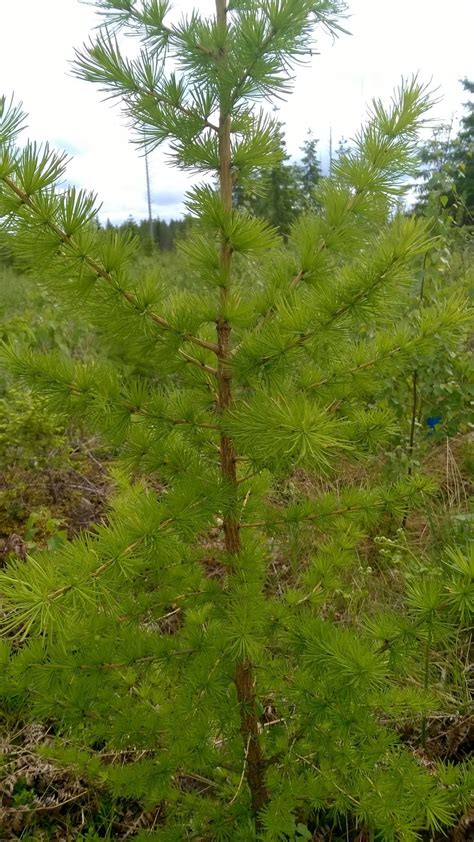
x=272, y=193
x=251, y=714
x=308, y=172
x=465, y=158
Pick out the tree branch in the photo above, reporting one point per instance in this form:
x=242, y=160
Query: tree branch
x=246, y=75
x=301, y=340
x=361, y=367
x=195, y=361
x=183, y=109
x=99, y=270
x=311, y=516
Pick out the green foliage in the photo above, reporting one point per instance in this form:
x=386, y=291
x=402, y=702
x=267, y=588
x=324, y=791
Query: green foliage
x=439, y=386
x=49, y=480
x=255, y=714
x=32, y=441
x=447, y=170
x=29, y=433
x=465, y=158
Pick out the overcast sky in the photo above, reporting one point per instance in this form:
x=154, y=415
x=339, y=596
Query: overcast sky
x=390, y=38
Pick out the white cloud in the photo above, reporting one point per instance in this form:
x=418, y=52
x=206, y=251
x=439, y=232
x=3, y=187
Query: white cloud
x=390, y=38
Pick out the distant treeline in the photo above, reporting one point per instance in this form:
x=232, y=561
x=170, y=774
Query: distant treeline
x=280, y=194
x=164, y=235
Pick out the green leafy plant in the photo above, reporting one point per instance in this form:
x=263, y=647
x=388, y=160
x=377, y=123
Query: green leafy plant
x=23, y=796
x=247, y=714
x=41, y=527
x=30, y=435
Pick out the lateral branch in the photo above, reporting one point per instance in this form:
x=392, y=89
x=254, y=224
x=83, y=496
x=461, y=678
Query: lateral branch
x=101, y=272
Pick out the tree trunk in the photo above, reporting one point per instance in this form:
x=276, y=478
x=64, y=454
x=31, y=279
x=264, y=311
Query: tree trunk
x=244, y=675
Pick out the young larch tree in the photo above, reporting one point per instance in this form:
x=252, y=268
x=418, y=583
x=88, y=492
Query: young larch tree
x=220, y=394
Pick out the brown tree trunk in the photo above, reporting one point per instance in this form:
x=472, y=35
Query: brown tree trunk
x=244, y=675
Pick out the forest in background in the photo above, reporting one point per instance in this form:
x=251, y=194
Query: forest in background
x=396, y=586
